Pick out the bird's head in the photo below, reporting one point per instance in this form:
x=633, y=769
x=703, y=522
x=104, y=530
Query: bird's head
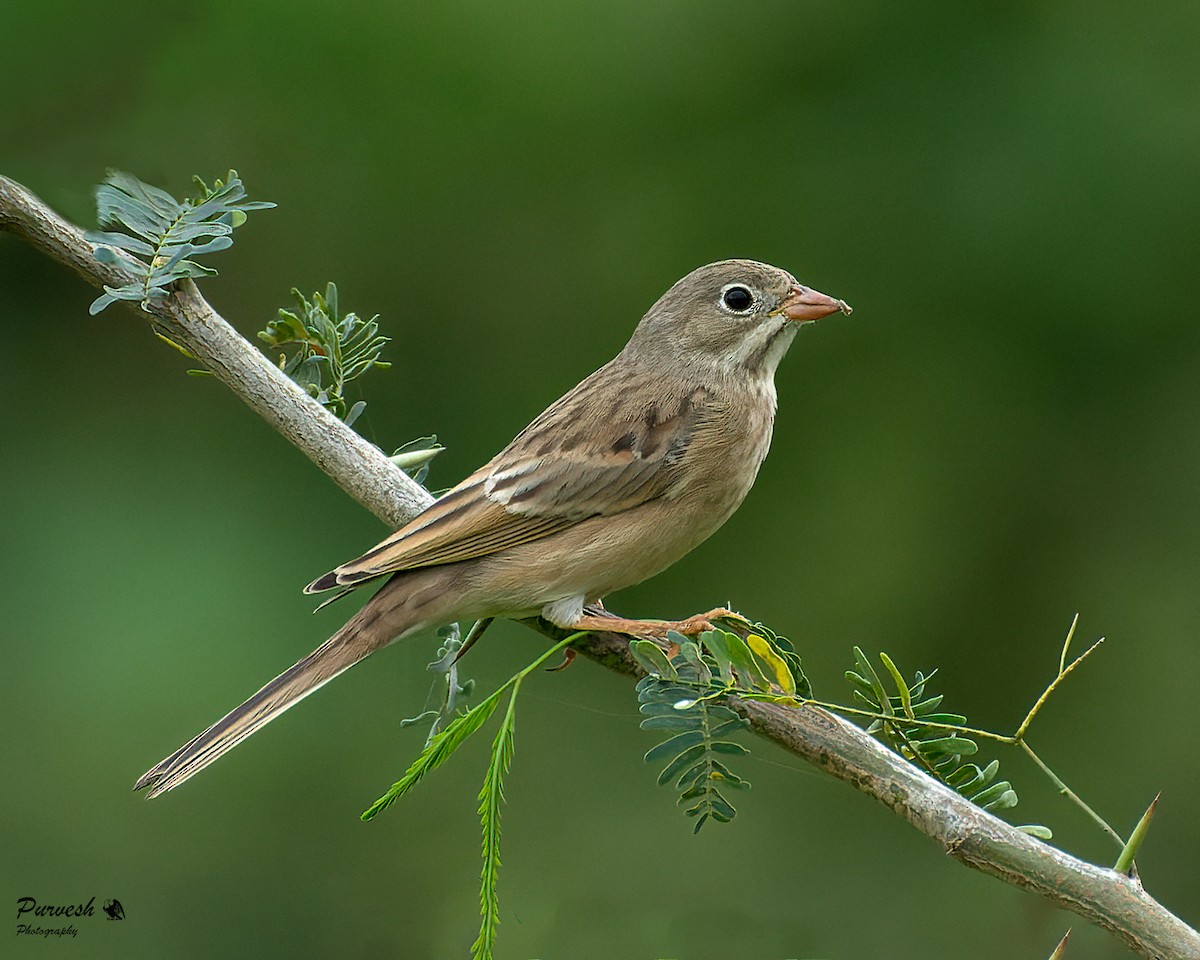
x=737, y=316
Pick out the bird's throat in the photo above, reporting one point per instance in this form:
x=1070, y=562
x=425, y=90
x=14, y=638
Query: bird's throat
x=763, y=348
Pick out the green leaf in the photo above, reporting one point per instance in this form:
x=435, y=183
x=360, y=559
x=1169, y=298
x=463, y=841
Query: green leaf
x=949, y=745
x=416, y=455
x=652, y=658
x=995, y=794
x=965, y=778
x=681, y=762
x=681, y=720
x=686, y=703
x=324, y=351
x=928, y=706
x=916, y=731
x=101, y=302
x=727, y=778
x=871, y=678
x=438, y=751
x=901, y=686
x=654, y=709
x=952, y=719
x=669, y=748
x=210, y=246
x=722, y=809
x=750, y=674
x=1006, y=801
x=652, y=689
x=354, y=412
x=692, y=793
x=163, y=232
x=691, y=653
x=697, y=775
x=116, y=208
x=491, y=799
x=726, y=726
x=706, y=774
x=121, y=241
x=714, y=641
x=152, y=198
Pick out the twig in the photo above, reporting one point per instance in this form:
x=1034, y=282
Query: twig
x=1071, y=794
x=968, y=833
x=1015, y=739
x=1062, y=675
x=890, y=718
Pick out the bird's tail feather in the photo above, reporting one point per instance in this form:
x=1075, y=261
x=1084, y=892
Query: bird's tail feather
x=360, y=637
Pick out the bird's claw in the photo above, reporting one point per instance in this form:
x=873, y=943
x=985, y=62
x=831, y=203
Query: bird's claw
x=569, y=655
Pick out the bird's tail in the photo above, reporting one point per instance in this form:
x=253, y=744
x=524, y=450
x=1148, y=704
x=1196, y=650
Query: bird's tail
x=361, y=636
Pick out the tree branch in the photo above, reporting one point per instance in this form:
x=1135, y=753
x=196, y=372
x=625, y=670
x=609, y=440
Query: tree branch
x=968, y=833
x=357, y=466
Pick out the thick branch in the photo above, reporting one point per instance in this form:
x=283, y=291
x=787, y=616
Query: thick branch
x=968, y=833
x=356, y=465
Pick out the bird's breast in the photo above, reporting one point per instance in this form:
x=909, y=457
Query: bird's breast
x=728, y=447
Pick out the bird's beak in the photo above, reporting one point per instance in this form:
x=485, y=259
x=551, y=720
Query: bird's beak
x=804, y=304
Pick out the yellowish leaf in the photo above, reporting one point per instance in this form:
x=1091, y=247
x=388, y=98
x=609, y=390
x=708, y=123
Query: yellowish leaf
x=765, y=651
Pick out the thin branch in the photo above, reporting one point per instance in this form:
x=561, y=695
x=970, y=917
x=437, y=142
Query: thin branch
x=1071, y=794
x=1062, y=675
x=927, y=724
x=968, y=833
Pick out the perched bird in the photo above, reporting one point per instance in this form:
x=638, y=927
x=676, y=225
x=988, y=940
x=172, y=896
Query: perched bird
x=614, y=482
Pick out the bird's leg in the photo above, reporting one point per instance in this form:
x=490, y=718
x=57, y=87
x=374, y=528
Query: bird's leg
x=654, y=628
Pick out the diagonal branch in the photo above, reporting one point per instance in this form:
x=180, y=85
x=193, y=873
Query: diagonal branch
x=357, y=466
x=968, y=833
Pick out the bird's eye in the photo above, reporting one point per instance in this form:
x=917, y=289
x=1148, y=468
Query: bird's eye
x=737, y=298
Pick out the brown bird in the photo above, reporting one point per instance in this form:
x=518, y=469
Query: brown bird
x=614, y=482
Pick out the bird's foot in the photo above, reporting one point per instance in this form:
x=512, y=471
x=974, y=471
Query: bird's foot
x=704, y=621
x=657, y=629
x=569, y=655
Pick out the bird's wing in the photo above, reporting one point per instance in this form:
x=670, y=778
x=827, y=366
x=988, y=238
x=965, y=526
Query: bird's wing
x=597, y=451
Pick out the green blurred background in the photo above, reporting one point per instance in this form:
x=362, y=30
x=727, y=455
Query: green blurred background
x=1003, y=434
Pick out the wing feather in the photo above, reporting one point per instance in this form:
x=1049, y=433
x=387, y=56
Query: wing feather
x=578, y=459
